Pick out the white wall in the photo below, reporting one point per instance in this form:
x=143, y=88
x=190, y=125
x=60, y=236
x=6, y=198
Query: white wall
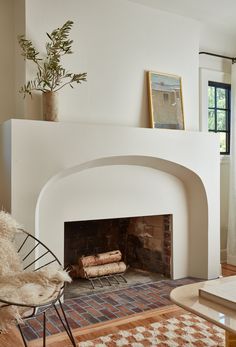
x=12, y=66
x=218, y=70
x=215, y=41
x=224, y=207
x=20, y=66
x=115, y=42
x=7, y=95
x=5, y=166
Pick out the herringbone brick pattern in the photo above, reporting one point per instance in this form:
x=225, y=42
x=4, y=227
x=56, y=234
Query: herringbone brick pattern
x=99, y=307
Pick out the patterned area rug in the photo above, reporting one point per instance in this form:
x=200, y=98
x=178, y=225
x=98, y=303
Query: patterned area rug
x=184, y=330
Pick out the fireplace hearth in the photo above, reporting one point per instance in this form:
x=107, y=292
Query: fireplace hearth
x=133, y=277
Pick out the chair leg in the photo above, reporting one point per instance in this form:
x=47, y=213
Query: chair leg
x=65, y=323
x=44, y=329
x=44, y=332
x=22, y=335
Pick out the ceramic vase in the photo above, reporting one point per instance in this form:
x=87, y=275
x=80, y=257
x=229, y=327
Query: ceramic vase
x=50, y=106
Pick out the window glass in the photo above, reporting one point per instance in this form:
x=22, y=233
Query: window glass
x=211, y=120
x=211, y=97
x=221, y=98
x=219, y=113
x=221, y=120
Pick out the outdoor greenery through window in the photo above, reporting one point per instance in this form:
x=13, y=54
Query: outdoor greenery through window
x=219, y=113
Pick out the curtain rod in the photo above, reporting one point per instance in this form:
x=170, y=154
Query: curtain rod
x=220, y=56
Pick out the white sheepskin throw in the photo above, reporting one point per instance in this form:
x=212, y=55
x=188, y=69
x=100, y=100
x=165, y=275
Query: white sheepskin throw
x=9, y=258
x=30, y=288
x=23, y=287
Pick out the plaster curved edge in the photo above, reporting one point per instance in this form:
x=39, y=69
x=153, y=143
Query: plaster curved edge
x=138, y=160
x=193, y=185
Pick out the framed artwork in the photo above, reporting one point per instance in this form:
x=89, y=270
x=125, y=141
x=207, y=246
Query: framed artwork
x=165, y=100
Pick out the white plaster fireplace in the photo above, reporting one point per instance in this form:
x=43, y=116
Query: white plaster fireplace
x=52, y=173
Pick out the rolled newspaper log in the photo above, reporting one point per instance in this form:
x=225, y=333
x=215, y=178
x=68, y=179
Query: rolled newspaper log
x=100, y=259
x=102, y=270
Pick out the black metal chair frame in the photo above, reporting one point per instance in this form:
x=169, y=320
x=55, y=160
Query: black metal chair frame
x=40, y=309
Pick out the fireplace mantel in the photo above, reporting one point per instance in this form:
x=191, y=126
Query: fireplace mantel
x=57, y=172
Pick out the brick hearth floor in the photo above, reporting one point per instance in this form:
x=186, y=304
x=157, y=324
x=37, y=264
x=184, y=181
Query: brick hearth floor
x=99, y=307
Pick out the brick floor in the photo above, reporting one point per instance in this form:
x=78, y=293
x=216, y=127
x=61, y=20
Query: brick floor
x=98, y=307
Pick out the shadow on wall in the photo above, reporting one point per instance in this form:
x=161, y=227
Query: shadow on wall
x=144, y=116
x=33, y=106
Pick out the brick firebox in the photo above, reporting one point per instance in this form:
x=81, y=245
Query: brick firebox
x=145, y=242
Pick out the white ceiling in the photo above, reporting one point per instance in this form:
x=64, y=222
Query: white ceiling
x=220, y=14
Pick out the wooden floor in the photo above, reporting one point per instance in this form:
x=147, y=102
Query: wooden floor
x=12, y=338
x=228, y=270
x=112, y=326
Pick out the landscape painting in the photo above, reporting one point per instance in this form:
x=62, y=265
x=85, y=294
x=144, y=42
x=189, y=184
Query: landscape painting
x=165, y=101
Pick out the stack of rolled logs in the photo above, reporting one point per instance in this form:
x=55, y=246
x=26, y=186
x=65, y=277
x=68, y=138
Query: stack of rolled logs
x=97, y=265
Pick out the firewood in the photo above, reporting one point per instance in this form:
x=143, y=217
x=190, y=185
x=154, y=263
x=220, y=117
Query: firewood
x=102, y=270
x=100, y=259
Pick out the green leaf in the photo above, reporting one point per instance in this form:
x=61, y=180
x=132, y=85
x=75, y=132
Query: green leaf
x=50, y=75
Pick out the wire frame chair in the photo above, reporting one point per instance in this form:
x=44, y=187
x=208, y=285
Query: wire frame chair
x=35, y=255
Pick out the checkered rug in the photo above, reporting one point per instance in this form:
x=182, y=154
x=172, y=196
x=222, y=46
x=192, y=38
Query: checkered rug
x=184, y=330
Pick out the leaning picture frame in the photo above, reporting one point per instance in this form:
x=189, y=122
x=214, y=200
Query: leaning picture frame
x=165, y=100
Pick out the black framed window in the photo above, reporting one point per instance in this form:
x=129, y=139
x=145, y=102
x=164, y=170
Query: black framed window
x=219, y=113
